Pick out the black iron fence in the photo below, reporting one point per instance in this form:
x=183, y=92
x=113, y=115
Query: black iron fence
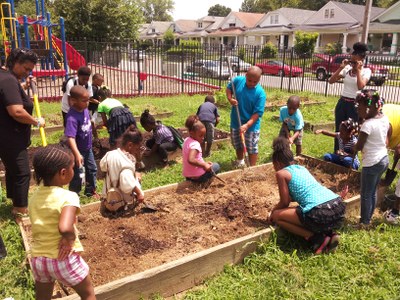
x=132, y=70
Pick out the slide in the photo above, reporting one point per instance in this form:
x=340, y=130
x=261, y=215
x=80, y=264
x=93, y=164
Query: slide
x=75, y=59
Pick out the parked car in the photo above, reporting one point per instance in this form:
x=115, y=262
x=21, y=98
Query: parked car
x=277, y=67
x=326, y=65
x=237, y=63
x=134, y=53
x=209, y=68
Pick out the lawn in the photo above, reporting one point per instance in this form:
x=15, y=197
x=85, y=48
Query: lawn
x=366, y=265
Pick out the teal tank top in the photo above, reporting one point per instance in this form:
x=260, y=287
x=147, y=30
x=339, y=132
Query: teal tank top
x=305, y=190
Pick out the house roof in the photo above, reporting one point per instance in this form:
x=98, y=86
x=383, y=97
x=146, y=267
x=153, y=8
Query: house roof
x=386, y=11
x=185, y=25
x=227, y=32
x=357, y=11
x=160, y=27
x=295, y=15
x=248, y=19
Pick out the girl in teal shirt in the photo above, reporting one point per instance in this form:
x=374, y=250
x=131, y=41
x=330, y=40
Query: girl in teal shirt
x=320, y=210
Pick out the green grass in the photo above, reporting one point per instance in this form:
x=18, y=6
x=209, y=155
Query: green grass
x=365, y=267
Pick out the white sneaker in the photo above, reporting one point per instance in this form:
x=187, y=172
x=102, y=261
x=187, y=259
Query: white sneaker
x=391, y=218
x=239, y=164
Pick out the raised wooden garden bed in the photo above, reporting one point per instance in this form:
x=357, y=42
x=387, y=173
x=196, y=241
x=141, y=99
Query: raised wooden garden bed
x=276, y=105
x=195, y=234
x=315, y=126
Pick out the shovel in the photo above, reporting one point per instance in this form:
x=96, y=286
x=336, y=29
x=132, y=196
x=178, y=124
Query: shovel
x=219, y=178
x=37, y=109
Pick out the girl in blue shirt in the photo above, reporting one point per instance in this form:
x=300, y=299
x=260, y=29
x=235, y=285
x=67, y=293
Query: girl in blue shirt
x=320, y=210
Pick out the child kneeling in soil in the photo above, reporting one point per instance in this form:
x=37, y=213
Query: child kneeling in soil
x=52, y=211
x=162, y=140
x=119, y=116
x=292, y=120
x=194, y=167
x=346, y=137
x=374, y=133
x=120, y=167
x=320, y=210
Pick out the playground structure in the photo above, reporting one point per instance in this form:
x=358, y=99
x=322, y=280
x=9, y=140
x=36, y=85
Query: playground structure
x=56, y=56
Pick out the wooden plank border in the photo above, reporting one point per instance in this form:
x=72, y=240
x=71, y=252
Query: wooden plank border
x=185, y=273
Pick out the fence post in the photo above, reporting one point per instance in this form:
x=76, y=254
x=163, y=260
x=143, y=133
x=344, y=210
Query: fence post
x=283, y=62
x=327, y=75
x=254, y=55
x=304, y=71
x=220, y=65
x=183, y=69
x=86, y=49
x=290, y=68
x=138, y=68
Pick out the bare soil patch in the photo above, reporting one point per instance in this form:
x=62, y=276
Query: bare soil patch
x=192, y=219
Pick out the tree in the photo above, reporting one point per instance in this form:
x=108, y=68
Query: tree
x=218, y=10
x=107, y=19
x=156, y=10
x=169, y=38
x=249, y=6
x=305, y=42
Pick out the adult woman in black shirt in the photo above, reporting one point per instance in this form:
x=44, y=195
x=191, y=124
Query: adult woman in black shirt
x=15, y=127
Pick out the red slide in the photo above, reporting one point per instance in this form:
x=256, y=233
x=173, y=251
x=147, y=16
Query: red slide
x=75, y=59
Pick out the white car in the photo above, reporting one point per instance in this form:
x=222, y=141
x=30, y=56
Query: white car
x=237, y=63
x=209, y=68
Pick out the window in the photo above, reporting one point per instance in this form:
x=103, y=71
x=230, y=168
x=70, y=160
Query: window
x=153, y=30
x=200, y=25
x=326, y=13
x=232, y=24
x=274, y=19
x=332, y=13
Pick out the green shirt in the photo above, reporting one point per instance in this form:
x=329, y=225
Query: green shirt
x=107, y=105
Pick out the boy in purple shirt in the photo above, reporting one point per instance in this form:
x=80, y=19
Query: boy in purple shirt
x=78, y=131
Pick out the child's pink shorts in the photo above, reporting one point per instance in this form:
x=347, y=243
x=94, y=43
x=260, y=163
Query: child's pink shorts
x=69, y=272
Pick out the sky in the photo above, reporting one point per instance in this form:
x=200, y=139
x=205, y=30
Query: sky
x=195, y=9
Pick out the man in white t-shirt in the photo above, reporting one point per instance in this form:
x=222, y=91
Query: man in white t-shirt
x=83, y=80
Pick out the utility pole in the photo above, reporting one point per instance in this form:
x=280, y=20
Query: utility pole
x=367, y=17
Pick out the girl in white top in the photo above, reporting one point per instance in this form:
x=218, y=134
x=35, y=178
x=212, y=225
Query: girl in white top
x=120, y=166
x=372, y=143
x=355, y=78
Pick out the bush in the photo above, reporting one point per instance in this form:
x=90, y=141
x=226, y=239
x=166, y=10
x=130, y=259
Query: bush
x=190, y=44
x=305, y=43
x=269, y=51
x=333, y=48
x=241, y=52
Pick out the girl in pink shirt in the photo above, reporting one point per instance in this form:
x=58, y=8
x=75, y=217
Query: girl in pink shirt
x=194, y=167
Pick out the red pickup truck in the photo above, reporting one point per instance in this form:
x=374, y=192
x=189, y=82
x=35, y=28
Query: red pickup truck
x=326, y=65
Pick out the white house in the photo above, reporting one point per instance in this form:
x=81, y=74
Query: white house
x=338, y=22
x=278, y=27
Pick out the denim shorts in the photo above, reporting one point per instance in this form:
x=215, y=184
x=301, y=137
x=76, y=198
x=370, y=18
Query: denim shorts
x=251, y=140
x=209, y=138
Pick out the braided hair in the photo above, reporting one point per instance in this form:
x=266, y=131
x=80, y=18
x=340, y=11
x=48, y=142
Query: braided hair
x=147, y=119
x=104, y=92
x=193, y=123
x=131, y=134
x=370, y=98
x=48, y=161
x=350, y=125
x=281, y=151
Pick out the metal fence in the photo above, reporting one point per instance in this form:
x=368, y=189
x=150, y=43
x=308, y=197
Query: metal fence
x=131, y=70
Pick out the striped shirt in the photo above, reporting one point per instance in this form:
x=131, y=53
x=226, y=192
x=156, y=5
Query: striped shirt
x=162, y=134
x=348, y=147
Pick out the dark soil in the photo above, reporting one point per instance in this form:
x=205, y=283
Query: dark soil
x=190, y=219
